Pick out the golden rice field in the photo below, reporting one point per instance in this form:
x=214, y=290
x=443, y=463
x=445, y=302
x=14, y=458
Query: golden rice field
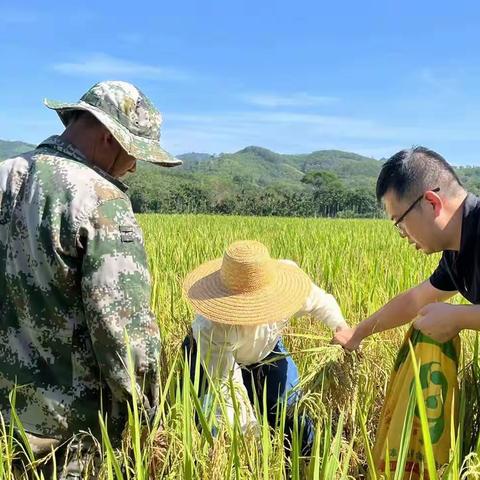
x=363, y=263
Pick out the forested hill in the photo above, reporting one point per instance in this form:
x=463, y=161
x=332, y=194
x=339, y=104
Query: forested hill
x=10, y=149
x=257, y=181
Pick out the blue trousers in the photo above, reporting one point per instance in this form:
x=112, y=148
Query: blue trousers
x=278, y=374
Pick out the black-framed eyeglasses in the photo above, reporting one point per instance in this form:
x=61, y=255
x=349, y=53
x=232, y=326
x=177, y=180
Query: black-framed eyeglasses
x=410, y=208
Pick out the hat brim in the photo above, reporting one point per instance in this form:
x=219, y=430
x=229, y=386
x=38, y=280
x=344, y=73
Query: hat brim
x=139, y=147
x=283, y=298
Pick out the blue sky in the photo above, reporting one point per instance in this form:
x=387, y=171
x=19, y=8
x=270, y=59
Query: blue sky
x=365, y=76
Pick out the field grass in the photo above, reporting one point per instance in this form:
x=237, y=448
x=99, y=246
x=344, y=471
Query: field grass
x=363, y=263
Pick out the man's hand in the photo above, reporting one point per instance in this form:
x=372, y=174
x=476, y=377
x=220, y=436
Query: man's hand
x=347, y=339
x=439, y=321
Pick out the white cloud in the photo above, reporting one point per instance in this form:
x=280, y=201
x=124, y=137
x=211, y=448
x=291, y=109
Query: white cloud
x=326, y=125
x=440, y=81
x=300, y=99
x=105, y=65
x=292, y=132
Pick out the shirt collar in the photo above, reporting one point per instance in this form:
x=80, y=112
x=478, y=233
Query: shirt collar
x=61, y=145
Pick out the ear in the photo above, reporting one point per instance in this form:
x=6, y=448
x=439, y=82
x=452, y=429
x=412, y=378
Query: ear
x=108, y=139
x=435, y=202
x=109, y=143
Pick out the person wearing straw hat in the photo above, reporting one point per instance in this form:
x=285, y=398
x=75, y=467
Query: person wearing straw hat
x=74, y=279
x=243, y=301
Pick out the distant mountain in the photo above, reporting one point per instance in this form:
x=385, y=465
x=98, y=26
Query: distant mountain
x=10, y=149
x=257, y=167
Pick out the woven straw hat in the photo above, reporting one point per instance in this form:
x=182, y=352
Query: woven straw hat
x=246, y=286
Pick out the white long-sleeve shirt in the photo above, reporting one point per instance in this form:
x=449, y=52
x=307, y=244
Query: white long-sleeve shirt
x=224, y=348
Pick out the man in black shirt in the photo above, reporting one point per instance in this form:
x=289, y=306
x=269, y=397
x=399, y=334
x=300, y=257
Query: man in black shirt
x=424, y=198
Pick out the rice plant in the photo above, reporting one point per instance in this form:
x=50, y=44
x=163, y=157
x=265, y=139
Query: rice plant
x=363, y=263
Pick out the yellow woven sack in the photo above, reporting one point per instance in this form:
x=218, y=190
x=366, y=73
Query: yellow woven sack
x=438, y=367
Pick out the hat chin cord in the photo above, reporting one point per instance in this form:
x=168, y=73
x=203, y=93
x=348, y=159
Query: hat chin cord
x=114, y=161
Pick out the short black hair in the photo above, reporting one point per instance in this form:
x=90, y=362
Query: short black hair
x=412, y=171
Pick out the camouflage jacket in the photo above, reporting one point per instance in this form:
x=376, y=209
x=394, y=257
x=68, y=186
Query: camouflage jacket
x=73, y=280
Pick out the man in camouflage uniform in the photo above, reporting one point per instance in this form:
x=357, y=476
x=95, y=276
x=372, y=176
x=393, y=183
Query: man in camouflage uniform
x=73, y=271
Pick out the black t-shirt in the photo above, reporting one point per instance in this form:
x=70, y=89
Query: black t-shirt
x=461, y=270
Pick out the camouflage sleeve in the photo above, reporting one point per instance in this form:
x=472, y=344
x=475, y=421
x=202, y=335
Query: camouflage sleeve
x=116, y=297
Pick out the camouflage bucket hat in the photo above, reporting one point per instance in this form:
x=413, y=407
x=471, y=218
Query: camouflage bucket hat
x=128, y=115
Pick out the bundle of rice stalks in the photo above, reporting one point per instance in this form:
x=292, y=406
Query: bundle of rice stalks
x=334, y=374
x=160, y=444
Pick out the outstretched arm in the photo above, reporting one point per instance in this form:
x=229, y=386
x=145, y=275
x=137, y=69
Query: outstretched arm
x=400, y=310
